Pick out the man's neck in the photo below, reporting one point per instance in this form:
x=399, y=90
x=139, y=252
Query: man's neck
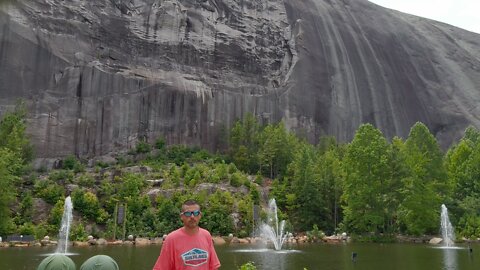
x=191, y=231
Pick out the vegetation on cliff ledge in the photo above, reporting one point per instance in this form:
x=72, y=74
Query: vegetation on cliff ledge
x=370, y=186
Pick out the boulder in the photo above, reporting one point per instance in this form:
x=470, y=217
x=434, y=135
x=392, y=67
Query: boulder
x=80, y=244
x=217, y=240
x=142, y=241
x=435, y=241
x=157, y=240
x=101, y=241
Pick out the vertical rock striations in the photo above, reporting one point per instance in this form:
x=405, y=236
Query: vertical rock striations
x=100, y=75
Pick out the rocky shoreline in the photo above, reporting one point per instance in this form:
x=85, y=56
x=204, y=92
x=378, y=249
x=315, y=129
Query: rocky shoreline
x=220, y=240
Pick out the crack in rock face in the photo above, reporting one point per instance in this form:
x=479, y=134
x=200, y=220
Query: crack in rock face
x=100, y=75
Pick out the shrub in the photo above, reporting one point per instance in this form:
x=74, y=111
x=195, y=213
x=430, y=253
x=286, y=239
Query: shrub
x=78, y=233
x=69, y=162
x=132, y=185
x=236, y=179
x=248, y=266
x=49, y=191
x=26, y=229
x=160, y=143
x=86, y=181
x=41, y=230
x=64, y=176
x=56, y=214
x=142, y=147
x=201, y=155
x=179, y=153
x=87, y=204
x=315, y=234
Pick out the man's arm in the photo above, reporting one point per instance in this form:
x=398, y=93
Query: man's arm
x=164, y=261
x=214, y=261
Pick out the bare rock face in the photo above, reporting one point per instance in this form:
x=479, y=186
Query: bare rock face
x=99, y=75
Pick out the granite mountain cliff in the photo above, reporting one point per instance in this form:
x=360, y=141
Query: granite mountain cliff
x=97, y=76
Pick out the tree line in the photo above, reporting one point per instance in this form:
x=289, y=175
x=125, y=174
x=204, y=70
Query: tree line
x=370, y=186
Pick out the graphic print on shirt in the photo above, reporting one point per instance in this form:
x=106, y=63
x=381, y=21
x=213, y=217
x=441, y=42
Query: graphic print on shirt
x=195, y=257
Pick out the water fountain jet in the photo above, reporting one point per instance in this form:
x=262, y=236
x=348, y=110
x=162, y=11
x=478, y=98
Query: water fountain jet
x=448, y=234
x=65, y=226
x=274, y=230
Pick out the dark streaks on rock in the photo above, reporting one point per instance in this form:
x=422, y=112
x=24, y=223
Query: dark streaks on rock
x=101, y=75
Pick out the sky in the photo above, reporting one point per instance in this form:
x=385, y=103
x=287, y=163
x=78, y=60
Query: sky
x=461, y=13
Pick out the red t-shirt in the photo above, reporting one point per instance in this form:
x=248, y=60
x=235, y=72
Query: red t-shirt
x=181, y=251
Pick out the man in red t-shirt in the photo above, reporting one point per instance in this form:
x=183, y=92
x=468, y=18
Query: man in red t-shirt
x=189, y=247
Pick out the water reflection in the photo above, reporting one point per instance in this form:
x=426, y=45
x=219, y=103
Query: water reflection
x=268, y=259
x=450, y=259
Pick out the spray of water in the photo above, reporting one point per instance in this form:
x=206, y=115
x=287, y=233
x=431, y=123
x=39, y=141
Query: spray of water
x=274, y=230
x=448, y=234
x=65, y=227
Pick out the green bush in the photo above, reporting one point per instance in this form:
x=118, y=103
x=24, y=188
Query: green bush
x=315, y=234
x=26, y=229
x=221, y=170
x=49, y=191
x=179, y=154
x=132, y=185
x=142, y=147
x=86, y=180
x=232, y=168
x=41, y=230
x=236, y=179
x=78, y=167
x=78, y=233
x=69, y=162
x=201, y=155
x=160, y=143
x=55, y=217
x=248, y=266
x=62, y=176
x=470, y=225
x=86, y=203
x=26, y=207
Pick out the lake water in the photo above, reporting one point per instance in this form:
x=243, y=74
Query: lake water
x=310, y=256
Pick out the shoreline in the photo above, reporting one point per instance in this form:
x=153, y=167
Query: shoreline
x=225, y=240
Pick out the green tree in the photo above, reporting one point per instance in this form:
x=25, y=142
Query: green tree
x=216, y=213
x=9, y=166
x=26, y=208
x=15, y=152
x=366, y=182
x=329, y=172
x=306, y=205
x=276, y=147
x=244, y=143
x=397, y=173
x=426, y=185
x=461, y=163
x=167, y=215
x=13, y=136
x=132, y=185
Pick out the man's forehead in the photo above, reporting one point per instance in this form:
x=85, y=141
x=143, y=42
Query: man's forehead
x=191, y=207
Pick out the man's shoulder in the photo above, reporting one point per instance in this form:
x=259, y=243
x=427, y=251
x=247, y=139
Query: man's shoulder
x=175, y=233
x=204, y=232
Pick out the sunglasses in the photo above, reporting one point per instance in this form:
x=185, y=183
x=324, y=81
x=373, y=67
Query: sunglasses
x=191, y=213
